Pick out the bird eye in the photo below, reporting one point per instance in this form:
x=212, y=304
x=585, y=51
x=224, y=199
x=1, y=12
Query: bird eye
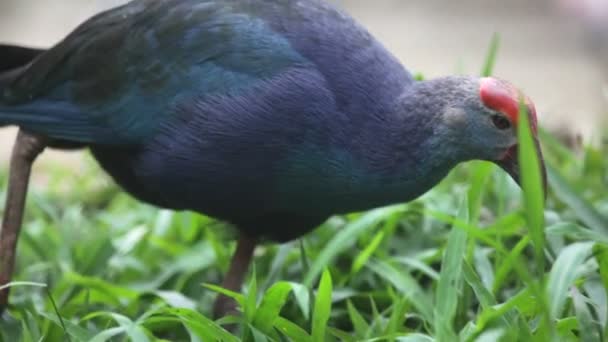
x=501, y=122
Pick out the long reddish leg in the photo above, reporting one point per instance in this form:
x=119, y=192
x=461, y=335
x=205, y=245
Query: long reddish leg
x=236, y=275
x=27, y=147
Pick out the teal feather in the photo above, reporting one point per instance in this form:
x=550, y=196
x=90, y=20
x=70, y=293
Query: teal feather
x=117, y=79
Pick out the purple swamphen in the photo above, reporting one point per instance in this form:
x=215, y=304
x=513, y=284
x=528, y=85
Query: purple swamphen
x=270, y=115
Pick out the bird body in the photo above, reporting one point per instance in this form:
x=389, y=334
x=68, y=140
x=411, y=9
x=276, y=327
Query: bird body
x=271, y=115
x=255, y=112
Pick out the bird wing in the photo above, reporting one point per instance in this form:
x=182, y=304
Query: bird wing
x=114, y=79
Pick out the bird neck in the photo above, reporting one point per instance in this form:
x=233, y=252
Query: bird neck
x=388, y=158
x=399, y=155
x=416, y=139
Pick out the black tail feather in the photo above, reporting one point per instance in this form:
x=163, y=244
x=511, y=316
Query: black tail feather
x=12, y=57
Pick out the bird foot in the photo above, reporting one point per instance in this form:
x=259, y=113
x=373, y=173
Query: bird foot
x=27, y=147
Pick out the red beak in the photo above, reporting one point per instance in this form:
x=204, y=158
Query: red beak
x=511, y=164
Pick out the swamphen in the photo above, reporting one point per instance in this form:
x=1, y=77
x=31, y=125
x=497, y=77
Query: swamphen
x=271, y=115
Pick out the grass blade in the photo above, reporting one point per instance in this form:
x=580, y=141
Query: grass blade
x=70, y=328
x=126, y=326
x=416, y=338
x=359, y=324
x=302, y=295
x=587, y=327
x=197, y=324
x=481, y=174
x=581, y=208
x=238, y=297
x=406, y=285
x=273, y=301
x=601, y=256
x=367, y=253
x=577, y=232
x=322, y=309
x=531, y=180
x=251, y=298
x=292, y=330
x=346, y=238
x=564, y=272
x=450, y=280
x=488, y=68
x=509, y=262
x=486, y=299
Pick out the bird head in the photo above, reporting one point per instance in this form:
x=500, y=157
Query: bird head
x=504, y=101
x=487, y=118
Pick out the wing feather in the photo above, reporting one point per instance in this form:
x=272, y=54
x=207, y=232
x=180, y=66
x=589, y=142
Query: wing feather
x=114, y=79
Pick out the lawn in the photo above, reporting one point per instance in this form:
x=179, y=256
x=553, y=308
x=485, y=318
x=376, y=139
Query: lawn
x=474, y=259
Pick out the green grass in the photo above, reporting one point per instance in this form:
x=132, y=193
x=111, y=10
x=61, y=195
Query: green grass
x=475, y=259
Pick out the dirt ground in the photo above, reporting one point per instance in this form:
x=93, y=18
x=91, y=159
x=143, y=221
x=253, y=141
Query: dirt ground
x=542, y=51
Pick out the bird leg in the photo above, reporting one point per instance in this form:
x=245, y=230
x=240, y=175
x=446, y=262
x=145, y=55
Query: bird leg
x=27, y=147
x=236, y=274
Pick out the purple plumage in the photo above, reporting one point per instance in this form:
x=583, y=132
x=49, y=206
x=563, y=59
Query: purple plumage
x=272, y=115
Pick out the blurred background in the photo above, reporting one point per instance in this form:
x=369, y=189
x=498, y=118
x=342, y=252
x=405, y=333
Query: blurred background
x=555, y=50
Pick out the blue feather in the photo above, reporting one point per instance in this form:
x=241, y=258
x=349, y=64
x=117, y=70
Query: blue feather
x=241, y=109
x=123, y=95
